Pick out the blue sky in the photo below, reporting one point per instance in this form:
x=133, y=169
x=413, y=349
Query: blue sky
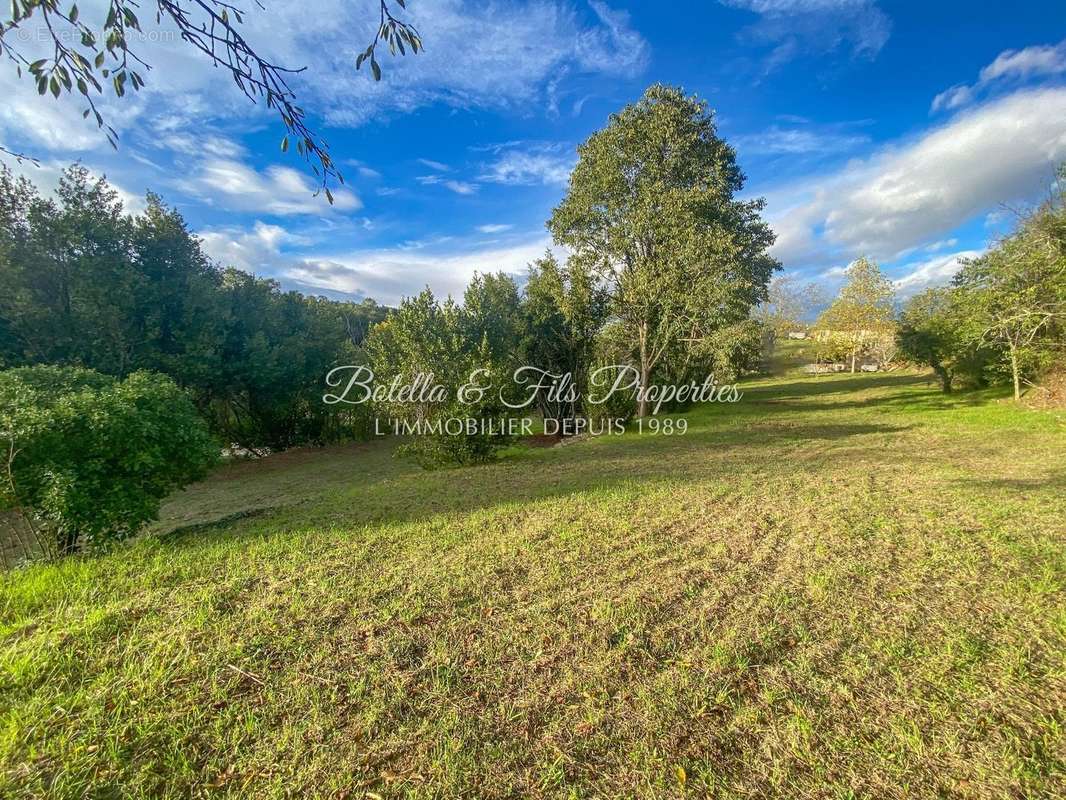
x=909, y=132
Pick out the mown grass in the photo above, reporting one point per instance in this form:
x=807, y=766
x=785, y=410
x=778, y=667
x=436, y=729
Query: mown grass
x=845, y=586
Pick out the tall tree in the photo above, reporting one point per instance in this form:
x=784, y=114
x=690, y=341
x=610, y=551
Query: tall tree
x=863, y=311
x=651, y=209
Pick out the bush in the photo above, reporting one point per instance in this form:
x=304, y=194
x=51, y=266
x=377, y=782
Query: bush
x=933, y=332
x=90, y=457
x=425, y=337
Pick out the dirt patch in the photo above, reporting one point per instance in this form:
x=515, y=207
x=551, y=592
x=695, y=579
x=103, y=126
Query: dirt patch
x=542, y=440
x=286, y=459
x=1050, y=394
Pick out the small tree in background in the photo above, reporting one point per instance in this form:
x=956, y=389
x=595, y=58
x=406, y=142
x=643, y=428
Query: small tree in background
x=425, y=337
x=88, y=458
x=863, y=311
x=933, y=331
x=1015, y=294
x=789, y=305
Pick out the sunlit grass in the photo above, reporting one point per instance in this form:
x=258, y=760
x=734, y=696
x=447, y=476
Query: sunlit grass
x=842, y=586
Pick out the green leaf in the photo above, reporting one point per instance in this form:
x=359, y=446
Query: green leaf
x=375, y=68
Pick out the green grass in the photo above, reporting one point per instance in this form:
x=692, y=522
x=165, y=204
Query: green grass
x=844, y=586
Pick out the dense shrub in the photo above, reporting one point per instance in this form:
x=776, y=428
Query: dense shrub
x=933, y=331
x=437, y=341
x=90, y=457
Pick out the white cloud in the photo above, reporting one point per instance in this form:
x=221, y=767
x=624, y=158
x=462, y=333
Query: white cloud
x=257, y=250
x=955, y=97
x=936, y=271
x=1010, y=65
x=386, y=274
x=797, y=27
x=494, y=228
x=796, y=141
x=527, y=165
x=613, y=47
x=235, y=186
x=498, y=55
x=943, y=244
x=906, y=196
x=1031, y=61
x=390, y=275
x=459, y=187
x=200, y=144
x=437, y=165
x=55, y=125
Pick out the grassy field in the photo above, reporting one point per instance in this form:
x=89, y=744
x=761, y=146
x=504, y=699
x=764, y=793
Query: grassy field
x=845, y=586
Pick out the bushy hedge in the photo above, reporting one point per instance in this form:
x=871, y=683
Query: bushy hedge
x=442, y=341
x=88, y=458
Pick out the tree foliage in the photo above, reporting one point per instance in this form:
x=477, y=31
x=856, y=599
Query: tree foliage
x=789, y=305
x=444, y=345
x=564, y=309
x=91, y=60
x=651, y=210
x=862, y=314
x=933, y=330
x=89, y=457
x=86, y=285
x=1015, y=294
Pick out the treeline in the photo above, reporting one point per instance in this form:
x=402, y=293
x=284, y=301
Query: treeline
x=1003, y=318
x=664, y=266
x=125, y=316
x=85, y=284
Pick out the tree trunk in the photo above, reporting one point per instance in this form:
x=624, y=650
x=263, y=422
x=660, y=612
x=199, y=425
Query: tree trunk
x=642, y=400
x=68, y=542
x=1014, y=372
x=945, y=378
x=852, y=362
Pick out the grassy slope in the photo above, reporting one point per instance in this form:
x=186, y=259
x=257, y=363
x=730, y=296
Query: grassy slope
x=843, y=585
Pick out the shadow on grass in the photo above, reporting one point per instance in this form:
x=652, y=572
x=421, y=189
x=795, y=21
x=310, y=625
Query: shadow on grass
x=403, y=493
x=1054, y=481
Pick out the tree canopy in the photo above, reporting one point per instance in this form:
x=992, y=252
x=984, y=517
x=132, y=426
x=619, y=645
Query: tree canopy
x=863, y=313
x=651, y=209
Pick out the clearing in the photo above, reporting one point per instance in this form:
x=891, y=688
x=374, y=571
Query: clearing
x=841, y=586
